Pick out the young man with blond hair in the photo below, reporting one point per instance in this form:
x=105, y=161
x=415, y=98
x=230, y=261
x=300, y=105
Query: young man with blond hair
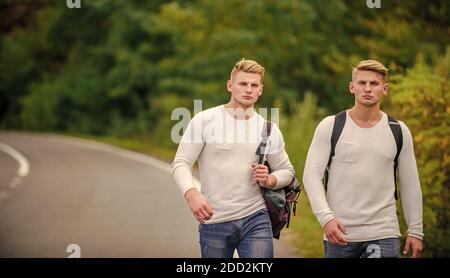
x=230, y=208
x=356, y=203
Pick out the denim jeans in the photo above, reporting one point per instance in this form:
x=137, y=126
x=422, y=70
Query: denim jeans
x=251, y=236
x=381, y=248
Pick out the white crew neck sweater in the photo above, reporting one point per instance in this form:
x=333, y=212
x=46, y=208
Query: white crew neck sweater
x=361, y=180
x=225, y=149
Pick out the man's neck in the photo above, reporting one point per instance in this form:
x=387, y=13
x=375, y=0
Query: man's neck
x=239, y=112
x=365, y=116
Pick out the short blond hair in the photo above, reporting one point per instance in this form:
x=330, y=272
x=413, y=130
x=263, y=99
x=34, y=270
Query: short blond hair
x=371, y=65
x=249, y=66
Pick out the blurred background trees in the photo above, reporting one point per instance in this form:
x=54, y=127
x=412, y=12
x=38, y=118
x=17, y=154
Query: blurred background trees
x=421, y=98
x=119, y=68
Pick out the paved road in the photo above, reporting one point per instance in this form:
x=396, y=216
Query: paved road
x=109, y=201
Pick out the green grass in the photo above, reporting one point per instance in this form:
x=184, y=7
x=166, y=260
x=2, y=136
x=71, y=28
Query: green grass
x=307, y=230
x=142, y=145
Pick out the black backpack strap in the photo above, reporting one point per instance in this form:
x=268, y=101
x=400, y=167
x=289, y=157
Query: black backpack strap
x=398, y=136
x=339, y=122
x=261, y=150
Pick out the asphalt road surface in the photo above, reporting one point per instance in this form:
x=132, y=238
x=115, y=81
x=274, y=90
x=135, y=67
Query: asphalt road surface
x=62, y=196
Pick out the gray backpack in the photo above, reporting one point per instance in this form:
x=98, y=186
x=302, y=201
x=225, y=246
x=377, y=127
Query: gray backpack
x=279, y=202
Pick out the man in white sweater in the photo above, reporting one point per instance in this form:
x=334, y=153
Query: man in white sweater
x=357, y=211
x=224, y=139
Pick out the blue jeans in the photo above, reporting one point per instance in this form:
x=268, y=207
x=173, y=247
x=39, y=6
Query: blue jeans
x=381, y=248
x=251, y=236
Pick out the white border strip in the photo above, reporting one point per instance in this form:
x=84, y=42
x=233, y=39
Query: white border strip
x=24, y=166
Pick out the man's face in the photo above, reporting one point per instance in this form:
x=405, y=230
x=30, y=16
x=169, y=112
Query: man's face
x=245, y=89
x=368, y=87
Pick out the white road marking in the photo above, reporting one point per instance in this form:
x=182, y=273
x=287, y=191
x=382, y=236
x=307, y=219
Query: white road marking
x=24, y=166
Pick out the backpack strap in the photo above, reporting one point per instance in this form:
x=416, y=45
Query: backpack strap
x=398, y=136
x=339, y=122
x=261, y=150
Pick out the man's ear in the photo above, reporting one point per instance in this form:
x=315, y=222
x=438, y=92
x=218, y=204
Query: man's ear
x=385, y=88
x=350, y=87
x=261, y=91
x=229, y=85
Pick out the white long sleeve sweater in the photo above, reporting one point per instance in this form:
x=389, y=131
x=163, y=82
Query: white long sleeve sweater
x=361, y=180
x=225, y=149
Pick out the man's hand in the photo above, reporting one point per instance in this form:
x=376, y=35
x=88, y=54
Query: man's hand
x=260, y=174
x=199, y=205
x=335, y=231
x=414, y=244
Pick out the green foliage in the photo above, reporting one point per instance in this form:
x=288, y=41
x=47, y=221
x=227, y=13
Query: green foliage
x=15, y=51
x=298, y=131
x=421, y=98
x=139, y=50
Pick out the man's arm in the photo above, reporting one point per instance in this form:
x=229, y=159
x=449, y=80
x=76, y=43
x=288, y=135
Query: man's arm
x=183, y=163
x=281, y=167
x=188, y=151
x=411, y=194
x=316, y=162
x=315, y=165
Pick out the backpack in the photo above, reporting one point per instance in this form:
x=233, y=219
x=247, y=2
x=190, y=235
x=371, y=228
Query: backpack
x=279, y=202
x=339, y=122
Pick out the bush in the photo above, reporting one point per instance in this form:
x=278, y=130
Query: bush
x=421, y=100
